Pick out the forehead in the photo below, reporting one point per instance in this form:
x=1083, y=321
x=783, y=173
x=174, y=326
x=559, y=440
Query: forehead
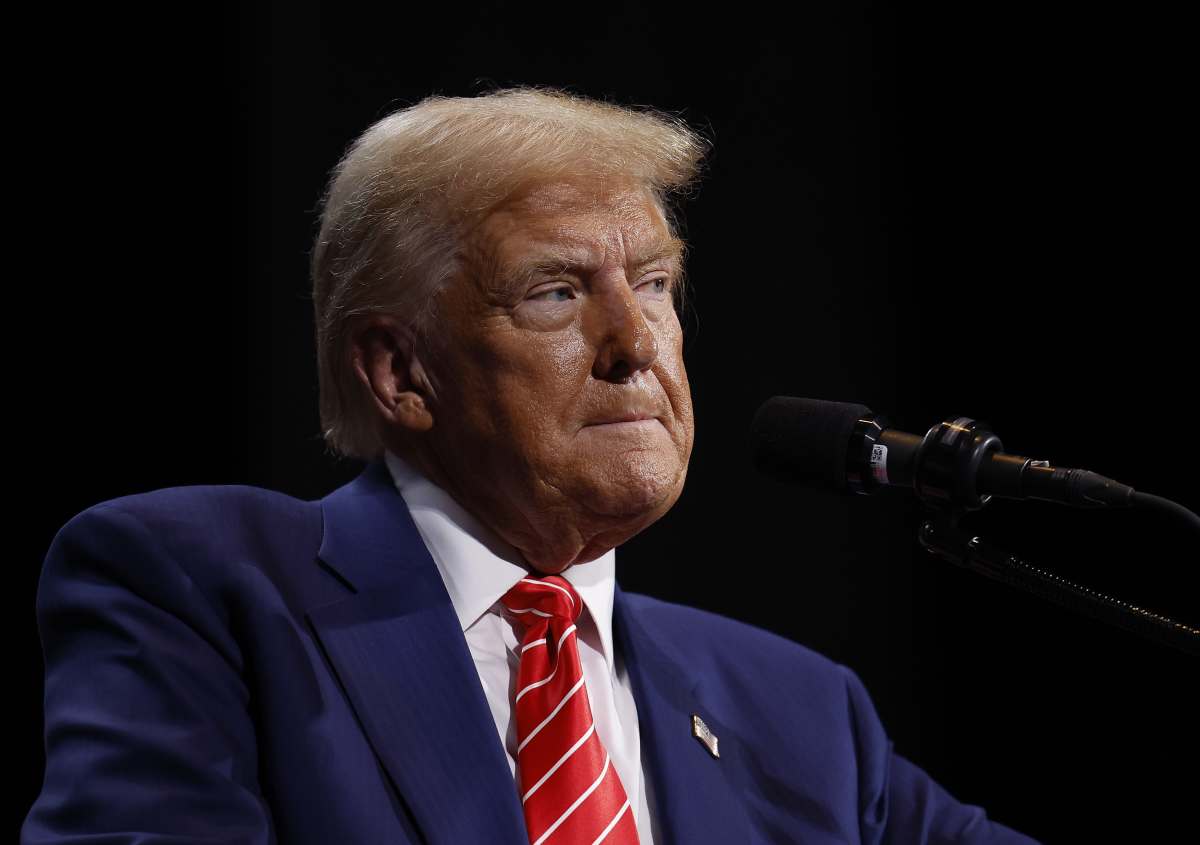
x=549, y=199
x=587, y=221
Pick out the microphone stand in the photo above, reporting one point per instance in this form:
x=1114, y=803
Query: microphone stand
x=942, y=537
x=945, y=468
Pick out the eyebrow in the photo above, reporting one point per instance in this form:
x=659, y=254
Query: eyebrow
x=551, y=262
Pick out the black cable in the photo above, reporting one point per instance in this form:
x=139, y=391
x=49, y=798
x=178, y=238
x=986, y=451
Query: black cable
x=1151, y=502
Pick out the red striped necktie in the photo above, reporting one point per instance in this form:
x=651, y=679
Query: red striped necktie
x=570, y=791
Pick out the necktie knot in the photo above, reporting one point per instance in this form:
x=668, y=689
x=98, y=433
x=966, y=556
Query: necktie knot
x=550, y=597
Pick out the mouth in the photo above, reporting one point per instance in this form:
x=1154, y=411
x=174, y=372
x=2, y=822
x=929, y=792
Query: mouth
x=636, y=425
x=632, y=417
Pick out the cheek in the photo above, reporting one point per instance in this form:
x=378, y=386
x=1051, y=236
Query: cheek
x=565, y=359
x=671, y=367
x=675, y=381
x=538, y=383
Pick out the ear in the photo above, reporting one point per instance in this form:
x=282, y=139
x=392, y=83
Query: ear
x=384, y=357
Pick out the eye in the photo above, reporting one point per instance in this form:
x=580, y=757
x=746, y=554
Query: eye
x=656, y=285
x=564, y=293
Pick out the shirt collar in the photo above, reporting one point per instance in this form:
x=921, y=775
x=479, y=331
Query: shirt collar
x=479, y=567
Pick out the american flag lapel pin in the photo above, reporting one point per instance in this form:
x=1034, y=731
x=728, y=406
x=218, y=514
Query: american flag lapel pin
x=707, y=738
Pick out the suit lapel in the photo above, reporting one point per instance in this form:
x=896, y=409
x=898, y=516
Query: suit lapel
x=399, y=652
x=696, y=796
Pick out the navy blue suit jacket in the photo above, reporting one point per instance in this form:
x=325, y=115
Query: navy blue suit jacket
x=230, y=664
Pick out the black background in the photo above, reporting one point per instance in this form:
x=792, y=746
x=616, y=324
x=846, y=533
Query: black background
x=937, y=213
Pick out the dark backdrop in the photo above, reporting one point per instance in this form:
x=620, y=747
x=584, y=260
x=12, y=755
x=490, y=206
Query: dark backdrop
x=937, y=213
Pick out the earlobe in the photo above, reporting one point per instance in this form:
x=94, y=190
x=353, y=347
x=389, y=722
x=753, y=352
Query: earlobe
x=412, y=413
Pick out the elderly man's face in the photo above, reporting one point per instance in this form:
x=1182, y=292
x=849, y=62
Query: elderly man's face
x=562, y=414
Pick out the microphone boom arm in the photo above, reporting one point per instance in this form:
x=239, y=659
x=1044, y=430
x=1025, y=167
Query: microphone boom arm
x=941, y=536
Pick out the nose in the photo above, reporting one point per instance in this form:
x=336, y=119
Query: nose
x=626, y=345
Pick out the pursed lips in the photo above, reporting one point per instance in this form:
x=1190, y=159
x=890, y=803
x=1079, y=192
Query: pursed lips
x=635, y=418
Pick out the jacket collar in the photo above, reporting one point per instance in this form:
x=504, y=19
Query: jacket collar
x=395, y=642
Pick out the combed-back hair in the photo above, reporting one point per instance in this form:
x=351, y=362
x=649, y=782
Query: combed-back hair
x=409, y=188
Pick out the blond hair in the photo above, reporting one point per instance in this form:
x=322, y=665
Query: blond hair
x=408, y=189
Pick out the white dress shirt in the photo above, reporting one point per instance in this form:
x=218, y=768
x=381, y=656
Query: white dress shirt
x=478, y=568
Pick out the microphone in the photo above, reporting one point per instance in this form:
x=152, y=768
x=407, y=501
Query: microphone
x=959, y=462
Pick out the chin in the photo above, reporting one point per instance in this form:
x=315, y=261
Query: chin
x=640, y=491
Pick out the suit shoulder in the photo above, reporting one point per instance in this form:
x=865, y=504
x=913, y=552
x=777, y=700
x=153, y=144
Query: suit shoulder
x=238, y=521
x=699, y=634
x=201, y=507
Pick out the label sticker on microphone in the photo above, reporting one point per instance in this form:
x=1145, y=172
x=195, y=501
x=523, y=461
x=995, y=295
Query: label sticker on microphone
x=879, y=463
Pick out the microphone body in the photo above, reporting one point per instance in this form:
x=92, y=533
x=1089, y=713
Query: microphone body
x=958, y=462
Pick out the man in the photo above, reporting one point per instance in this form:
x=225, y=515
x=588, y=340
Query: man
x=437, y=651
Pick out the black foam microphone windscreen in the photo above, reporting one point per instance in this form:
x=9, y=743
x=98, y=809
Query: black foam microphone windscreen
x=804, y=440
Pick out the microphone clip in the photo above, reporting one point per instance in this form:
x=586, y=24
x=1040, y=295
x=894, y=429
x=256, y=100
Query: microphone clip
x=946, y=464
